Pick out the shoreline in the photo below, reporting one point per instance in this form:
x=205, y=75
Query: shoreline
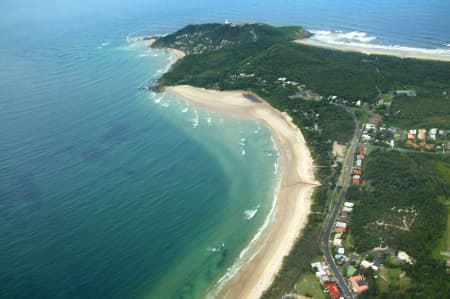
x=254, y=270
x=369, y=49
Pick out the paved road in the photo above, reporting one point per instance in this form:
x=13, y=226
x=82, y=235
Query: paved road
x=347, y=171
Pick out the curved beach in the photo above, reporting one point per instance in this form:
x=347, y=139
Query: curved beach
x=370, y=49
x=256, y=267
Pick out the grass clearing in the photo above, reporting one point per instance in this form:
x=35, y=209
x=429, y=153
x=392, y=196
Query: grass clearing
x=309, y=285
x=392, y=278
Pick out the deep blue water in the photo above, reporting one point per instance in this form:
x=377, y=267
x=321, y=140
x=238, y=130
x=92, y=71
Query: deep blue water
x=107, y=191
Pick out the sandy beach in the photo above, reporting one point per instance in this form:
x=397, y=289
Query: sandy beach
x=176, y=54
x=368, y=49
x=256, y=267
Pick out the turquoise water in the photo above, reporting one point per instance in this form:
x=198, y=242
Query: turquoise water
x=107, y=191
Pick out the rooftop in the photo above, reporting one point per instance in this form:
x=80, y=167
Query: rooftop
x=358, y=284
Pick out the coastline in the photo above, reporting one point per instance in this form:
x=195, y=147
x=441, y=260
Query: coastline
x=375, y=50
x=254, y=270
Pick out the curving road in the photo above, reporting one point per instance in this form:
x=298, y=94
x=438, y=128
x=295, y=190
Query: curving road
x=346, y=177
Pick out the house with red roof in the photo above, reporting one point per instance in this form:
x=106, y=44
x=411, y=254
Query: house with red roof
x=334, y=291
x=358, y=284
x=361, y=150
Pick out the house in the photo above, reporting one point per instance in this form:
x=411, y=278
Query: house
x=366, y=264
x=422, y=134
x=366, y=137
x=425, y=145
x=355, y=181
x=404, y=257
x=357, y=171
x=343, y=219
x=361, y=150
x=433, y=133
x=339, y=230
x=370, y=127
x=333, y=290
x=358, y=284
x=411, y=135
x=341, y=224
x=347, y=209
x=411, y=143
x=360, y=157
x=409, y=93
x=348, y=204
x=341, y=250
x=337, y=242
x=358, y=163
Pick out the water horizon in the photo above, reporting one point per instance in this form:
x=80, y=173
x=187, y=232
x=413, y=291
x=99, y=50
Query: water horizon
x=109, y=191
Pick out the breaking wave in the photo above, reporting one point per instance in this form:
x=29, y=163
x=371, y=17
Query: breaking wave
x=363, y=40
x=249, y=214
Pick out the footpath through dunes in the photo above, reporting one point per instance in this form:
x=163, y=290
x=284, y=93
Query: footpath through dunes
x=372, y=49
x=255, y=268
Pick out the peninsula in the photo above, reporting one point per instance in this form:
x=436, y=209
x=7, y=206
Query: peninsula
x=317, y=97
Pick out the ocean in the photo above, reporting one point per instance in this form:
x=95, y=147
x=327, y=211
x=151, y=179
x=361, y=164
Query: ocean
x=109, y=191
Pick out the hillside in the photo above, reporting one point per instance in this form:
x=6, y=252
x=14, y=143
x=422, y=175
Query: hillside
x=318, y=88
x=256, y=56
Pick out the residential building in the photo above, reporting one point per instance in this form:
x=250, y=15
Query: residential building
x=422, y=134
x=358, y=284
x=433, y=133
x=333, y=290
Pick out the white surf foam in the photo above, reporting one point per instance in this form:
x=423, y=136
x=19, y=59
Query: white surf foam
x=243, y=258
x=196, y=118
x=362, y=40
x=249, y=214
x=105, y=44
x=275, y=166
x=185, y=109
x=216, y=249
x=339, y=36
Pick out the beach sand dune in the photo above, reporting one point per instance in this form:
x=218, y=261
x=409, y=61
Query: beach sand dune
x=258, y=265
x=368, y=49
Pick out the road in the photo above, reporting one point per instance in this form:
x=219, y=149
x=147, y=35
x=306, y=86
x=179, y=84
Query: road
x=346, y=177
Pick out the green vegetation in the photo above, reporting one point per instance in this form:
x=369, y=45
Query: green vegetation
x=310, y=286
x=420, y=111
x=400, y=191
x=321, y=123
x=255, y=56
x=392, y=278
x=398, y=206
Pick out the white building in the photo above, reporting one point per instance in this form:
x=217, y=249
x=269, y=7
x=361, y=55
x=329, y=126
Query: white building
x=433, y=133
x=366, y=137
x=370, y=127
x=341, y=224
x=337, y=242
x=348, y=204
